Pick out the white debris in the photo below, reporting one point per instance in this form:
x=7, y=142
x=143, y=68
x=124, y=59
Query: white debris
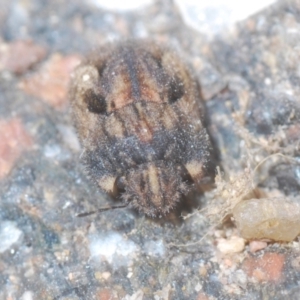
x=139, y=295
x=233, y=245
x=9, y=234
x=28, y=295
x=69, y=137
x=86, y=77
x=114, y=248
x=155, y=248
x=121, y=5
x=212, y=17
x=52, y=150
x=198, y=287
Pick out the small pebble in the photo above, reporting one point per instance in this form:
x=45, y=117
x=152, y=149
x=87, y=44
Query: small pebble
x=276, y=219
x=233, y=245
x=106, y=275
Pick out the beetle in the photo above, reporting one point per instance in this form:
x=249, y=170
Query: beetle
x=138, y=112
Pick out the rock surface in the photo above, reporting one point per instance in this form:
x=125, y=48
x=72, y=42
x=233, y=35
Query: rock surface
x=250, y=82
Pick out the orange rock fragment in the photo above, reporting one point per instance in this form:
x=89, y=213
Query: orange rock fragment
x=202, y=296
x=51, y=82
x=105, y=294
x=266, y=268
x=257, y=245
x=19, y=56
x=13, y=140
x=292, y=133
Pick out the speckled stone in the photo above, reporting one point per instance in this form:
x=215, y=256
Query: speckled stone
x=50, y=253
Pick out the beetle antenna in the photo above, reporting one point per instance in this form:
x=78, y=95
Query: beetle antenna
x=100, y=210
